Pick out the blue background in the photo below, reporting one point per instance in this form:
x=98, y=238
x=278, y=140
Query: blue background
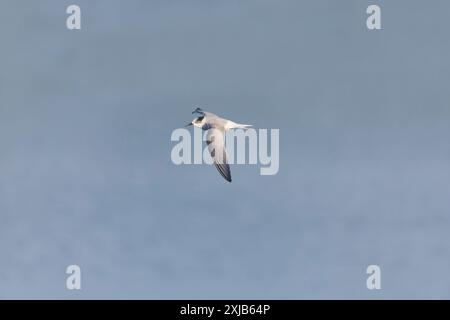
x=85, y=170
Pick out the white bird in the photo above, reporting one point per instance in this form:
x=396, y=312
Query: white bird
x=215, y=138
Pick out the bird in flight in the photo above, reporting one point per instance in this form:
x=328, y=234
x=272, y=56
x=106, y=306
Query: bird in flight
x=215, y=137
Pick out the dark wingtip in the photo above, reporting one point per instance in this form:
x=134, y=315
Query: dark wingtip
x=197, y=110
x=224, y=171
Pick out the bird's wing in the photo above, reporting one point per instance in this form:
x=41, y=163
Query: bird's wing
x=204, y=113
x=215, y=139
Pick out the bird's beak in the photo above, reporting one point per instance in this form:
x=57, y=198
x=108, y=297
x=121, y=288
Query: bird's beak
x=189, y=124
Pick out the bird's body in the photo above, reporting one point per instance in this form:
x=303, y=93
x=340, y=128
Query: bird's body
x=215, y=138
x=210, y=120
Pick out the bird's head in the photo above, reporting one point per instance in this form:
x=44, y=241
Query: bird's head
x=197, y=122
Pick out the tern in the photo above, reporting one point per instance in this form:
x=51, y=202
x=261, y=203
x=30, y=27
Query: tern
x=215, y=137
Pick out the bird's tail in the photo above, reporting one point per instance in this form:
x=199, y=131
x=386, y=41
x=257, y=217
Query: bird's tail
x=242, y=126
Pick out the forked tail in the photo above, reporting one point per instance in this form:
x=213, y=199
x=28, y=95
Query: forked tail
x=242, y=126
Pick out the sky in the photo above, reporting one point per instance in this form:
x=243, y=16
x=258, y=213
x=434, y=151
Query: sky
x=86, y=176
